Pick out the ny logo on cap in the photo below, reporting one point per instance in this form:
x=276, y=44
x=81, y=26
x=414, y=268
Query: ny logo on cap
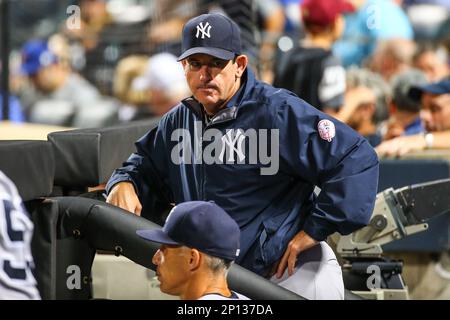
x=204, y=29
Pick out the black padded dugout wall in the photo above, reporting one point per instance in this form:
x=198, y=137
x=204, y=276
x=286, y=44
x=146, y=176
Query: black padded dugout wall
x=30, y=165
x=106, y=227
x=87, y=157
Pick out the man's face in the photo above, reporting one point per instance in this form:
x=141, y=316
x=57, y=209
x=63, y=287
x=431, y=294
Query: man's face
x=45, y=79
x=431, y=65
x=362, y=115
x=439, y=108
x=213, y=81
x=172, y=268
x=425, y=114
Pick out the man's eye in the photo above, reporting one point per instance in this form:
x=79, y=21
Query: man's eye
x=218, y=63
x=194, y=64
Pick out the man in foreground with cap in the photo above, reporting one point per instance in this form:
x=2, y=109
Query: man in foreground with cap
x=435, y=99
x=258, y=152
x=199, y=242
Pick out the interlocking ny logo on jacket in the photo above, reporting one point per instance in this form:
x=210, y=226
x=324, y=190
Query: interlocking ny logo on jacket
x=234, y=146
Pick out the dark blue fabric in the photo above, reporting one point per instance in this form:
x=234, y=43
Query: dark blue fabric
x=214, y=34
x=414, y=127
x=194, y=224
x=269, y=209
x=374, y=139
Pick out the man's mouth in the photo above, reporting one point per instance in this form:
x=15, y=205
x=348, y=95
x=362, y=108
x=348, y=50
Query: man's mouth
x=207, y=87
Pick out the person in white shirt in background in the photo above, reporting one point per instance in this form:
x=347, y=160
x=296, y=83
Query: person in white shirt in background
x=165, y=82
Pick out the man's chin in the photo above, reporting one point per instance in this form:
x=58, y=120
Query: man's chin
x=207, y=101
x=162, y=287
x=170, y=291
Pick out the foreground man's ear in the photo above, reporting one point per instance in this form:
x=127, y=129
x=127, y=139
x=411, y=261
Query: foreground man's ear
x=194, y=259
x=241, y=62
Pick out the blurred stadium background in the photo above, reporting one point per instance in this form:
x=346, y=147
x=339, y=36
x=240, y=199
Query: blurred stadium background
x=91, y=76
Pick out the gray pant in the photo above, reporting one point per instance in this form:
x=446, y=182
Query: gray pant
x=317, y=275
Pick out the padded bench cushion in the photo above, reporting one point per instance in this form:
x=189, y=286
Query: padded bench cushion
x=87, y=157
x=30, y=165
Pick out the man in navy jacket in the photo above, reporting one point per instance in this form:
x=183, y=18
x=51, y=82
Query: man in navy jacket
x=258, y=152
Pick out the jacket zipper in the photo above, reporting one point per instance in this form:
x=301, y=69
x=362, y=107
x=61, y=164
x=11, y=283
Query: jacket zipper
x=205, y=126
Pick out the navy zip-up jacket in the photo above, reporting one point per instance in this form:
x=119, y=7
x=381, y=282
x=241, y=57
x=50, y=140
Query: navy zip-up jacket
x=270, y=206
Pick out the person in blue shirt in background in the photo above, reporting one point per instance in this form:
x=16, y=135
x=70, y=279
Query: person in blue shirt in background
x=404, y=111
x=15, y=109
x=373, y=21
x=435, y=107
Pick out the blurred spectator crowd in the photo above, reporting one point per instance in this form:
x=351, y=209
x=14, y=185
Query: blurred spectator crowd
x=381, y=66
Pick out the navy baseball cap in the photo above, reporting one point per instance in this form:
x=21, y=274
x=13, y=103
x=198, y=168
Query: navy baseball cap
x=36, y=55
x=213, y=34
x=201, y=225
x=440, y=87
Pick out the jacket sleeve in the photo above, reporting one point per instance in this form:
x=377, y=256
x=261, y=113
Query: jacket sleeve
x=129, y=172
x=344, y=168
x=145, y=168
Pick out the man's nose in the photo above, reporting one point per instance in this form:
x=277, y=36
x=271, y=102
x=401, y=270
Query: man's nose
x=205, y=73
x=428, y=119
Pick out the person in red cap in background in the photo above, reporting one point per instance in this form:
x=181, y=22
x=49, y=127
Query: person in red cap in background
x=311, y=70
